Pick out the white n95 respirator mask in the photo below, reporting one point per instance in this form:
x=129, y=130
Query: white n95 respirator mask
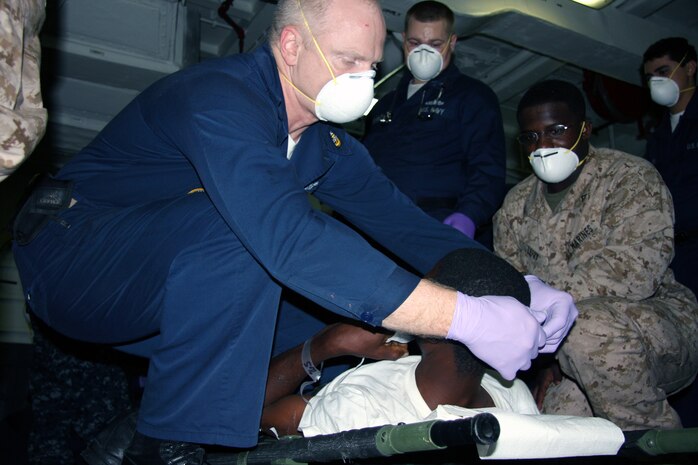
x=425, y=62
x=664, y=91
x=345, y=98
x=555, y=164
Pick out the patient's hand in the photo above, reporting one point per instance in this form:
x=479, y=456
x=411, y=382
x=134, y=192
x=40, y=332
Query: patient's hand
x=351, y=339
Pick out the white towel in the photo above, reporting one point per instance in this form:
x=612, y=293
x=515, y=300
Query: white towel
x=542, y=436
x=402, y=338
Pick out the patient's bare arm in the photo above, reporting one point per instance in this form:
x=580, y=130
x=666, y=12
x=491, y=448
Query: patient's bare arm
x=283, y=407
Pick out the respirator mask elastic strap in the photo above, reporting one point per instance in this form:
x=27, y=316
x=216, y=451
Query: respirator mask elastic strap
x=322, y=55
x=581, y=131
x=685, y=55
x=677, y=66
x=297, y=89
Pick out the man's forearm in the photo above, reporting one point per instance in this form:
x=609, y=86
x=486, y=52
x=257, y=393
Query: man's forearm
x=499, y=330
x=428, y=311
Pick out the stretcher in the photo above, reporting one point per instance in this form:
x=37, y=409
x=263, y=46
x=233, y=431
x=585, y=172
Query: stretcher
x=381, y=442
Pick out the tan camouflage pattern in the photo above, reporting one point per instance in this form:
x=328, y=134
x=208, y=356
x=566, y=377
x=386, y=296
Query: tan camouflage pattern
x=22, y=115
x=609, y=243
x=566, y=398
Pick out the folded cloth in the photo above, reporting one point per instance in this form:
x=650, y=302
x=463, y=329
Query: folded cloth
x=542, y=436
x=402, y=338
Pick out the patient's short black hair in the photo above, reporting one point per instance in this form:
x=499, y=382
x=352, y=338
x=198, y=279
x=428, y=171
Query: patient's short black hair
x=477, y=272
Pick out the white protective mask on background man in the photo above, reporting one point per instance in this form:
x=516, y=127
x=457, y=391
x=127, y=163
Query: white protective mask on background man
x=425, y=62
x=555, y=164
x=664, y=90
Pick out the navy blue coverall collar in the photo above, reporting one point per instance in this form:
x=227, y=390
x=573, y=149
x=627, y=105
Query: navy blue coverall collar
x=445, y=78
x=270, y=75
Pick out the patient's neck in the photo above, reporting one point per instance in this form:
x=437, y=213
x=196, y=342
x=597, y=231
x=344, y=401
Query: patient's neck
x=440, y=382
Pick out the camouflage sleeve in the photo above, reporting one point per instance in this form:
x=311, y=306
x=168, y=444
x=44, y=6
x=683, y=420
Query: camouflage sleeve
x=637, y=226
x=22, y=115
x=505, y=241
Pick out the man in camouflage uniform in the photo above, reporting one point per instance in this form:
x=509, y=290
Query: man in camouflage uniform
x=598, y=223
x=22, y=124
x=22, y=115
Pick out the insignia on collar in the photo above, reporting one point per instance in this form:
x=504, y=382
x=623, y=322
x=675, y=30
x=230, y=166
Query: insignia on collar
x=335, y=140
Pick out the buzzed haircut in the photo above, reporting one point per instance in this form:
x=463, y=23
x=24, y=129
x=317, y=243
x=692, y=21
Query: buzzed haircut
x=676, y=48
x=430, y=11
x=554, y=91
x=456, y=270
x=288, y=12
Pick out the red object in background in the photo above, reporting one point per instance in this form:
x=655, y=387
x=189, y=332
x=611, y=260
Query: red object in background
x=617, y=101
x=223, y=13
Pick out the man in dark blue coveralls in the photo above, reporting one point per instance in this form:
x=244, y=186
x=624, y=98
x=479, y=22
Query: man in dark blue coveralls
x=187, y=214
x=439, y=135
x=669, y=66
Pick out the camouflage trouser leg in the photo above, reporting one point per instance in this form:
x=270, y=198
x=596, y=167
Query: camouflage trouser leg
x=566, y=399
x=626, y=357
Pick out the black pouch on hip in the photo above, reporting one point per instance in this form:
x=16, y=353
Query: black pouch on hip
x=48, y=198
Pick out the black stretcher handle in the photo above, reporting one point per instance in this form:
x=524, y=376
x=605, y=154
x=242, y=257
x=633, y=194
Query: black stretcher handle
x=379, y=441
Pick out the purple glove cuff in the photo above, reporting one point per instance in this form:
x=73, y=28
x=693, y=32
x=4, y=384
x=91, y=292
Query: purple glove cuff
x=461, y=324
x=462, y=223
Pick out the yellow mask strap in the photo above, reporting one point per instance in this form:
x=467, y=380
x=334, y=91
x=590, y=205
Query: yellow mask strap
x=581, y=131
x=677, y=66
x=297, y=89
x=446, y=45
x=322, y=55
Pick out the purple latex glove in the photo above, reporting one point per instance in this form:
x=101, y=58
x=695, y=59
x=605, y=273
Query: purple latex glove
x=554, y=309
x=462, y=223
x=498, y=330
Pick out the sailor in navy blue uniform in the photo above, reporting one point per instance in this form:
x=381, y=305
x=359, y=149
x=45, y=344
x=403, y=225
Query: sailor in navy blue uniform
x=440, y=138
x=188, y=213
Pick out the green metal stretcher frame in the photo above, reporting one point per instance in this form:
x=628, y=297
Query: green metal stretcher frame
x=390, y=440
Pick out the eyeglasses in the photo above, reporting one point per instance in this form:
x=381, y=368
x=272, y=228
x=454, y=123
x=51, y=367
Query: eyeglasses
x=551, y=132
